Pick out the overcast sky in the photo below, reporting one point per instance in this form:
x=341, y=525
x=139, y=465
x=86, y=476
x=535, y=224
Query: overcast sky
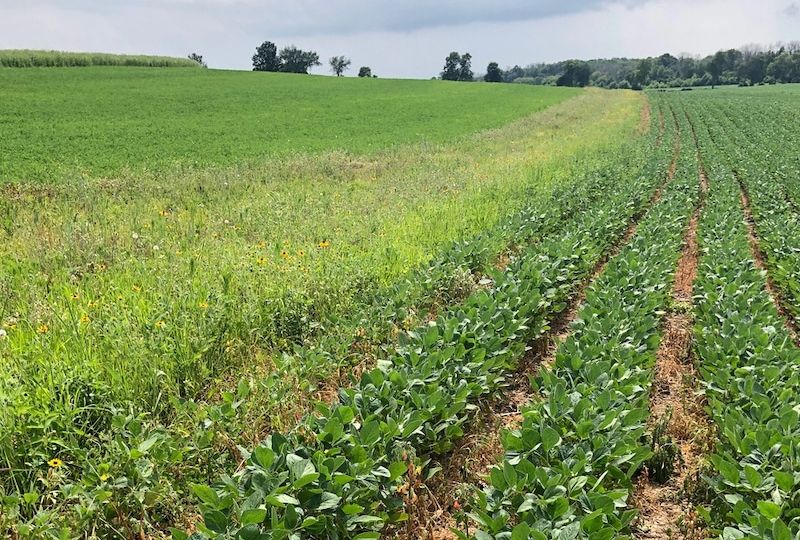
x=399, y=38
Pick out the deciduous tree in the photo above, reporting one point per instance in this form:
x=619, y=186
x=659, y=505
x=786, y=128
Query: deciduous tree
x=294, y=60
x=266, y=57
x=465, y=68
x=493, y=73
x=339, y=64
x=451, y=67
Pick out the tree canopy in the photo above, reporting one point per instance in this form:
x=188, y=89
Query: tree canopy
x=266, y=57
x=493, y=73
x=294, y=60
x=457, y=67
x=749, y=65
x=290, y=59
x=339, y=64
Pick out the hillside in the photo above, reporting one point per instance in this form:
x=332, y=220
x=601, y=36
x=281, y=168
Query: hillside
x=103, y=120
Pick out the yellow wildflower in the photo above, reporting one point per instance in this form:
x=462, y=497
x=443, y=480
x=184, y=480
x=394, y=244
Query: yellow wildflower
x=203, y=305
x=85, y=319
x=55, y=463
x=324, y=244
x=43, y=329
x=159, y=324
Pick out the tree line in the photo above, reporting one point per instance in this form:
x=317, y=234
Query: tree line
x=749, y=65
x=294, y=60
x=746, y=66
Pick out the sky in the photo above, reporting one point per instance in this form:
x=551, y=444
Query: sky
x=399, y=38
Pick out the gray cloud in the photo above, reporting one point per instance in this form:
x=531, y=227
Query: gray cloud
x=313, y=17
x=402, y=38
x=792, y=10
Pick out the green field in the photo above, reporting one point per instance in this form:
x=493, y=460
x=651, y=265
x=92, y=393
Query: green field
x=242, y=305
x=233, y=245
x=65, y=123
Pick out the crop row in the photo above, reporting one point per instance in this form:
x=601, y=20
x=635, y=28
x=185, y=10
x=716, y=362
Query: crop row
x=749, y=365
x=567, y=470
x=346, y=471
x=769, y=173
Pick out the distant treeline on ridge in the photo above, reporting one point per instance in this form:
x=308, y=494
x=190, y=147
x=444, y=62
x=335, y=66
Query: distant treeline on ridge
x=746, y=66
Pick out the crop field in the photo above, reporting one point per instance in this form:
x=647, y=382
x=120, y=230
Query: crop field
x=241, y=305
x=64, y=124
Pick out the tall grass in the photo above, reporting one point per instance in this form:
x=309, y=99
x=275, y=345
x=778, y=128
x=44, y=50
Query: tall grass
x=22, y=58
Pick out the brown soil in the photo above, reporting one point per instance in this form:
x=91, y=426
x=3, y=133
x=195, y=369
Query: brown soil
x=663, y=512
x=644, y=121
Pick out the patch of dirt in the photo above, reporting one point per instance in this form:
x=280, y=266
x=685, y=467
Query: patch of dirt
x=644, y=121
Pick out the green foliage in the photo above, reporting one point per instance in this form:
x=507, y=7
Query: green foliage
x=289, y=59
x=339, y=64
x=347, y=470
x=266, y=57
x=750, y=65
x=13, y=58
x=150, y=300
x=191, y=115
x=576, y=73
x=198, y=58
x=294, y=60
x=364, y=72
x=567, y=471
x=458, y=67
x=665, y=452
x=493, y=73
x=749, y=365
